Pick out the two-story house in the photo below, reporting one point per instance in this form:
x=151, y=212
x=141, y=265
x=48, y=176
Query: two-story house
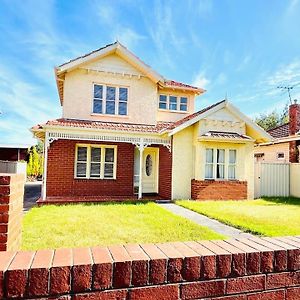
x=127, y=132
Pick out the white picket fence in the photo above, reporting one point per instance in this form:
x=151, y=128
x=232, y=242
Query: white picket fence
x=277, y=179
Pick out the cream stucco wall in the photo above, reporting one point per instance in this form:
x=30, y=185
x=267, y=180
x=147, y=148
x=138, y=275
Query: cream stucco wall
x=294, y=180
x=270, y=153
x=112, y=70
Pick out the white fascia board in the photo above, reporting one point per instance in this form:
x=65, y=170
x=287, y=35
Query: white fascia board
x=225, y=140
x=198, y=118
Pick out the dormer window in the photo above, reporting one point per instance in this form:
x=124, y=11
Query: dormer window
x=110, y=100
x=173, y=103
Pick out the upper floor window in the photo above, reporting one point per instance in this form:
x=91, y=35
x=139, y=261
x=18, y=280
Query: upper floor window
x=174, y=103
x=110, y=100
x=220, y=164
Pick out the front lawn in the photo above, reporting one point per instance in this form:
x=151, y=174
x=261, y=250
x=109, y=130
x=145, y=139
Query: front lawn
x=267, y=217
x=106, y=224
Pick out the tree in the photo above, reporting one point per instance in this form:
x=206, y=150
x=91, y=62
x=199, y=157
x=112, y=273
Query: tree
x=35, y=163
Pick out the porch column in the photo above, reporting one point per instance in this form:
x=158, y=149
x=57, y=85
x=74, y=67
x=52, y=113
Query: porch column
x=141, y=150
x=46, y=144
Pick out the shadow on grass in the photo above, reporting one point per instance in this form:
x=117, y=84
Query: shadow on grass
x=282, y=200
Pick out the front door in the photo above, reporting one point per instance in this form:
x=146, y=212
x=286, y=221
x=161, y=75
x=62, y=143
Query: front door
x=150, y=170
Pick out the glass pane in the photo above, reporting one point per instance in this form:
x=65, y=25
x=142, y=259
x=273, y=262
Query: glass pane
x=163, y=98
x=110, y=93
x=183, y=100
x=95, y=170
x=173, y=103
x=231, y=172
x=220, y=156
x=220, y=171
x=97, y=106
x=232, y=156
x=122, y=108
x=183, y=107
x=96, y=154
x=123, y=94
x=81, y=169
x=209, y=171
x=81, y=153
x=98, y=91
x=149, y=164
x=108, y=170
x=109, y=154
x=110, y=107
x=162, y=105
x=209, y=155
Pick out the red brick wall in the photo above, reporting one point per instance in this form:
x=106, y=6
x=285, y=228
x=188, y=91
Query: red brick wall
x=219, y=190
x=294, y=118
x=11, y=211
x=165, y=172
x=60, y=172
x=246, y=269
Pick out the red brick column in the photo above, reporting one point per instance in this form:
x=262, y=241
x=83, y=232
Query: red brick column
x=244, y=269
x=11, y=211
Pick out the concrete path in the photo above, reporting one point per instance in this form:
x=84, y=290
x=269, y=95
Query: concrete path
x=31, y=193
x=205, y=221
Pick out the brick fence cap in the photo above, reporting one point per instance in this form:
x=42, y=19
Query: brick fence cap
x=153, y=251
x=101, y=255
x=266, y=243
x=82, y=256
x=5, y=259
x=136, y=252
x=42, y=259
x=280, y=243
x=244, y=247
x=254, y=245
x=62, y=258
x=289, y=241
x=22, y=260
x=119, y=253
x=169, y=250
x=214, y=248
x=201, y=250
x=184, y=249
x=230, y=248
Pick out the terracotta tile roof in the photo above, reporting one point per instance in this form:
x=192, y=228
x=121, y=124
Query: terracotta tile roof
x=173, y=83
x=227, y=135
x=280, y=131
x=106, y=125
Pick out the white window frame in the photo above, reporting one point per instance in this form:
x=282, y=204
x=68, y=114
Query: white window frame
x=102, y=162
x=178, y=103
x=117, y=100
x=280, y=158
x=226, y=164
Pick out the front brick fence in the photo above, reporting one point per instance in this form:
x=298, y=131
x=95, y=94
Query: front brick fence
x=245, y=269
x=11, y=210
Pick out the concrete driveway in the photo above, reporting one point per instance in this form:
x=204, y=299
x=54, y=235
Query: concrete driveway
x=31, y=194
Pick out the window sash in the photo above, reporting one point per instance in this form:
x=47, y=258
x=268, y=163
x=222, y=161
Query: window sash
x=173, y=103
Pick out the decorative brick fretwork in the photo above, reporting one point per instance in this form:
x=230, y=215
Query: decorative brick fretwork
x=245, y=269
x=219, y=190
x=11, y=211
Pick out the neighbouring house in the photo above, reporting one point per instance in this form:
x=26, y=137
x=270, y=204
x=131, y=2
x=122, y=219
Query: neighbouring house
x=127, y=132
x=286, y=144
x=13, y=152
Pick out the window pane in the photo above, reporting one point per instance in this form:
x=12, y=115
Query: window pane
x=232, y=156
x=220, y=171
x=123, y=94
x=209, y=155
x=183, y=107
x=162, y=98
x=110, y=93
x=109, y=154
x=95, y=170
x=209, y=171
x=97, y=106
x=162, y=105
x=81, y=153
x=231, y=172
x=183, y=100
x=122, y=108
x=98, y=91
x=96, y=154
x=108, y=170
x=110, y=107
x=173, y=103
x=220, y=156
x=81, y=169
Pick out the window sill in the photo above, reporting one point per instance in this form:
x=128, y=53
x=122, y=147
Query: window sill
x=173, y=111
x=214, y=179
x=111, y=116
x=92, y=178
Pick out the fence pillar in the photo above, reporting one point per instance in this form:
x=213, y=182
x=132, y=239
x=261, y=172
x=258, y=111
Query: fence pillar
x=11, y=211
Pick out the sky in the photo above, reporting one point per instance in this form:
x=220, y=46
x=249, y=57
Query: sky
x=241, y=50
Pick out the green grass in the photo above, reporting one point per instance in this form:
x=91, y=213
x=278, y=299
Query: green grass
x=266, y=217
x=106, y=224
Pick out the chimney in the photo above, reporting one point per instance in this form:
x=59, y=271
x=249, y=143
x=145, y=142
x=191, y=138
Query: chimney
x=294, y=118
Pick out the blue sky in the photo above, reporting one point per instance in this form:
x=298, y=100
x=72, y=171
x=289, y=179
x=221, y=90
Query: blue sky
x=242, y=49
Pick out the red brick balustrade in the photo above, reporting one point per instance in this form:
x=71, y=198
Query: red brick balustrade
x=11, y=209
x=245, y=269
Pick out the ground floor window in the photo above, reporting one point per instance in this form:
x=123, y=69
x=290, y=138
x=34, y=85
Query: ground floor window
x=220, y=164
x=95, y=161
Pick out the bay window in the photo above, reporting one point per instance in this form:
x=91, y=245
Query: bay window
x=220, y=164
x=95, y=161
x=110, y=100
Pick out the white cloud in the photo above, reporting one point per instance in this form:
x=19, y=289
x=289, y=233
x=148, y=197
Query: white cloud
x=201, y=80
x=128, y=37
